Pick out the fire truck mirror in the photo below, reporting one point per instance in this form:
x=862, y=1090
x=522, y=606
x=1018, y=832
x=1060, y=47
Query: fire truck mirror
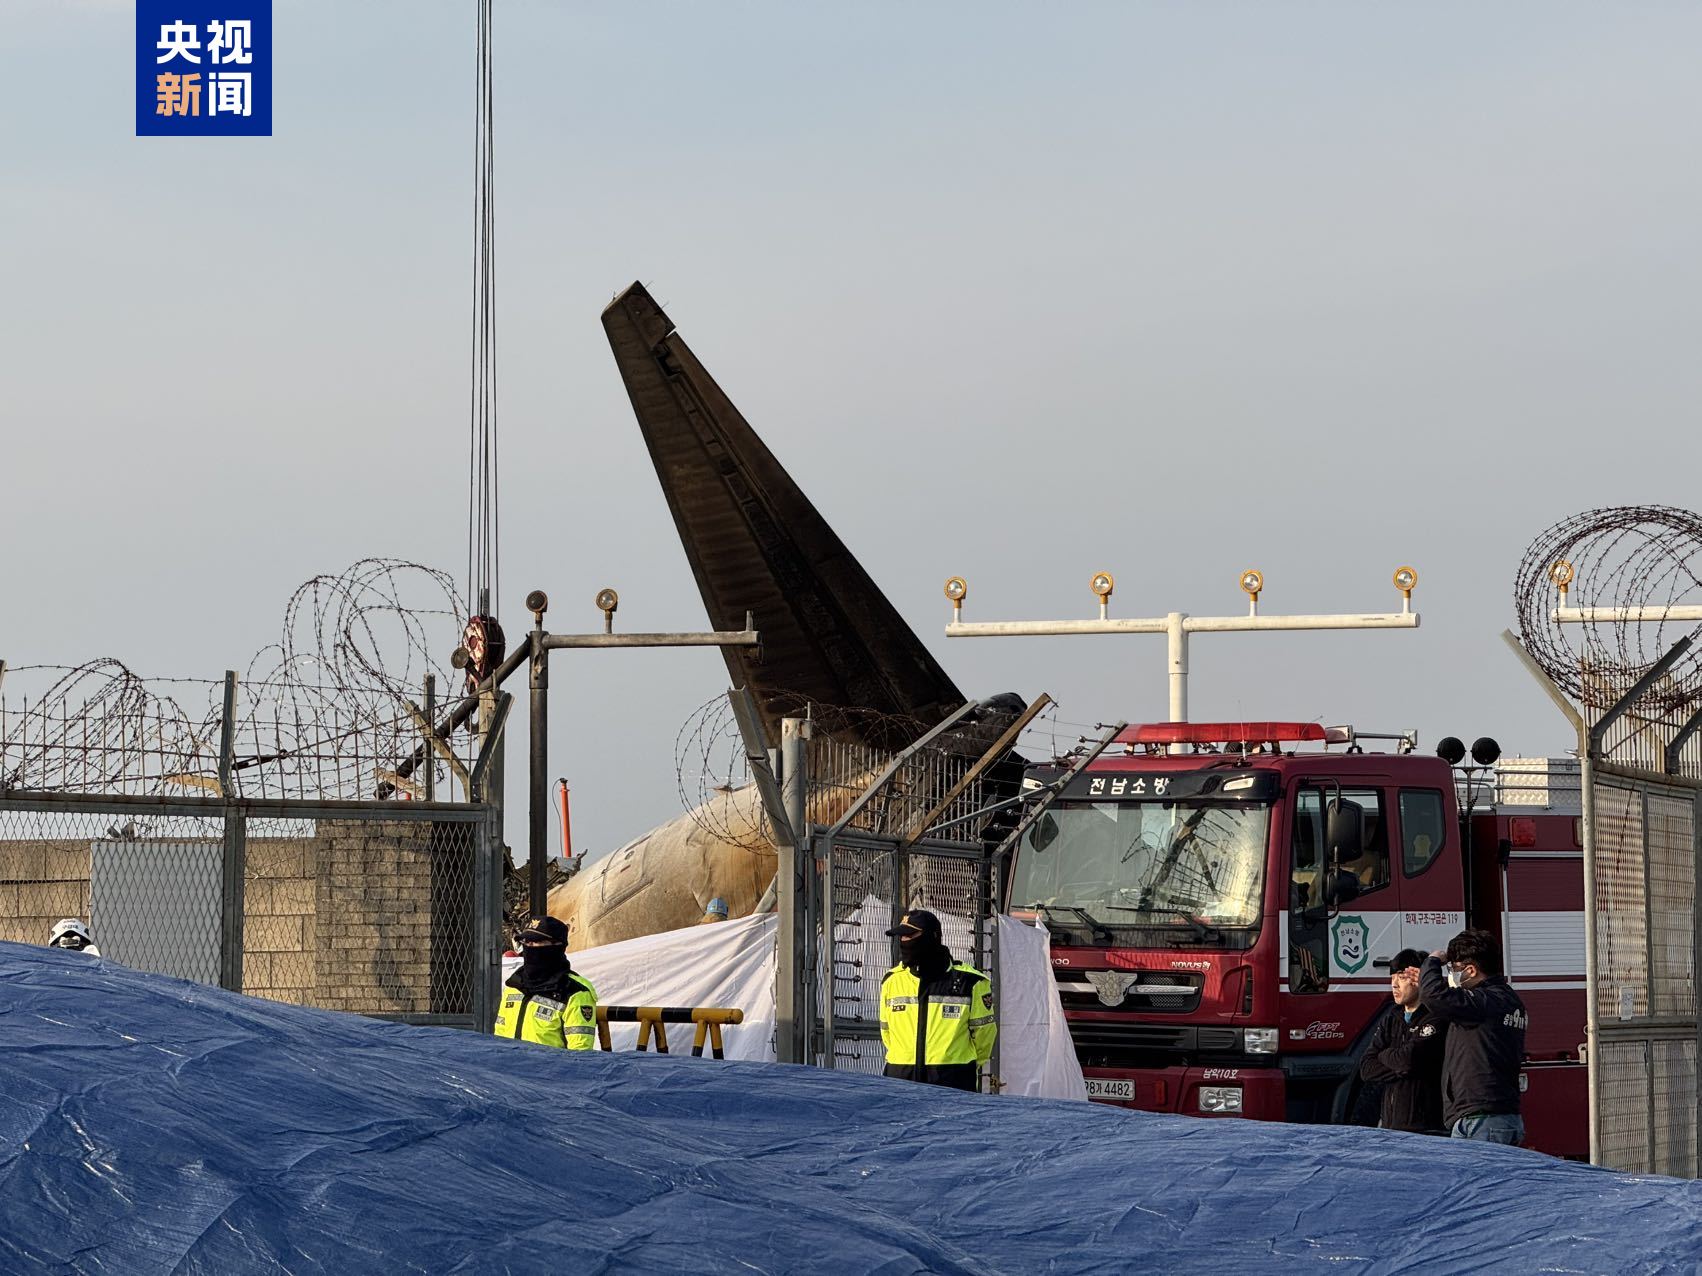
x=1344, y=830
x=1341, y=887
x=1045, y=832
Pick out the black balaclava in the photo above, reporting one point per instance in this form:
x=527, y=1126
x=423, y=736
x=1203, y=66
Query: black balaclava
x=925, y=954
x=73, y=941
x=541, y=963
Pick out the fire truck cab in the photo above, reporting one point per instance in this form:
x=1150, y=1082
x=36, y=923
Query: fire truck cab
x=1225, y=901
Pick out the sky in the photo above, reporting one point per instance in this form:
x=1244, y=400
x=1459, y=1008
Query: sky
x=1019, y=292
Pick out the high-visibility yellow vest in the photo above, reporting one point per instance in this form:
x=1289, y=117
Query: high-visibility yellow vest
x=950, y=1020
x=567, y=1021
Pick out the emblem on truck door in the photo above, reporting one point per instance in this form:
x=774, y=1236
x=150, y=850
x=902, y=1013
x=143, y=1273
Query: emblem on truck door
x=1353, y=942
x=1112, y=985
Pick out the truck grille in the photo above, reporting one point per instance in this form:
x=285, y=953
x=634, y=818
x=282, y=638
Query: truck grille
x=1118, y=1043
x=1157, y=992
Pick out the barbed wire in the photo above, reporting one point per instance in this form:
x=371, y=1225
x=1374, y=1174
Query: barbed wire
x=323, y=712
x=716, y=788
x=361, y=643
x=1620, y=556
x=712, y=770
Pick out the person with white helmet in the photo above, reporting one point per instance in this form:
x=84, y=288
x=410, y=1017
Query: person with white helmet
x=71, y=933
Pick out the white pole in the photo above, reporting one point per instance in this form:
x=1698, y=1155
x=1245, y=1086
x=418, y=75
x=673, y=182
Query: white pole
x=1176, y=627
x=1644, y=615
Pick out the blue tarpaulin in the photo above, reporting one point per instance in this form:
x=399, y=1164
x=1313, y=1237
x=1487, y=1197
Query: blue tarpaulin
x=153, y=1125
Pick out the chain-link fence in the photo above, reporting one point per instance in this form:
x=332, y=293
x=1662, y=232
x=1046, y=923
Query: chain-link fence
x=888, y=833
x=871, y=882
x=382, y=908
x=1645, y=844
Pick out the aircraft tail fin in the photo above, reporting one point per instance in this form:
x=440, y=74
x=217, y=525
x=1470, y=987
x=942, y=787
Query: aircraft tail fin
x=756, y=543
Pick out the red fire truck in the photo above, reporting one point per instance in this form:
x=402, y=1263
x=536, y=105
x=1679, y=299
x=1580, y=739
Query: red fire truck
x=1225, y=900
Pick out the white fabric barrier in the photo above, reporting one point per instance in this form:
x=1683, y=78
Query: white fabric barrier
x=1037, y=1059
x=732, y=964
x=727, y=963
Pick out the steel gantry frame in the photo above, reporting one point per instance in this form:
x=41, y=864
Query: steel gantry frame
x=1178, y=625
x=533, y=650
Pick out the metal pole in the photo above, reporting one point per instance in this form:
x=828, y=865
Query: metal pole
x=227, y=736
x=538, y=782
x=235, y=862
x=1696, y=947
x=1592, y=965
x=487, y=918
x=1178, y=644
x=430, y=717
x=760, y=757
x=790, y=978
x=1675, y=750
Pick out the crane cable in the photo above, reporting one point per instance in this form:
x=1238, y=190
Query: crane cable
x=482, y=520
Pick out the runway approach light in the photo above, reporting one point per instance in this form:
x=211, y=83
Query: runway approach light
x=1405, y=579
x=1562, y=574
x=1252, y=582
x=957, y=589
x=608, y=602
x=538, y=602
x=1102, y=585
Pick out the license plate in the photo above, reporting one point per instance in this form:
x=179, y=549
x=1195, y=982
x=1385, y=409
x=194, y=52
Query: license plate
x=1110, y=1088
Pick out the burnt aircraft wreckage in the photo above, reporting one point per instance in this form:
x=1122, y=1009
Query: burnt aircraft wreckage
x=831, y=641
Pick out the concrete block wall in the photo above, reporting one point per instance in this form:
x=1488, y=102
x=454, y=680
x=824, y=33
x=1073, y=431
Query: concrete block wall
x=41, y=882
x=366, y=916
x=373, y=903
x=280, y=925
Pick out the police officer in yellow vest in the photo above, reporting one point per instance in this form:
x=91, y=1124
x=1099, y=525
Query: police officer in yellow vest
x=937, y=1020
x=544, y=1001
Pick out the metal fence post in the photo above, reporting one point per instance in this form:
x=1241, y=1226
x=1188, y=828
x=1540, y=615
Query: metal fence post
x=1696, y=951
x=234, y=856
x=538, y=772
x=430, y=777
x=1592, y=964
x=235, y=863
x=487, y=917
x=823, y=992
x=227, y=737
x=791, y=967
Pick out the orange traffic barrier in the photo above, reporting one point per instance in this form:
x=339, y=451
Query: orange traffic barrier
x=709, y=1021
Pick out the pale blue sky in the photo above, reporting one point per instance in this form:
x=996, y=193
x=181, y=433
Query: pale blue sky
x=1016, y=291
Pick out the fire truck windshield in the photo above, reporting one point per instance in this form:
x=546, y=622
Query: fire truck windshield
x=1183, y=865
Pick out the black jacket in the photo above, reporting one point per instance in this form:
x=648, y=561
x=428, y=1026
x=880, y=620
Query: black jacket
x=1406, y=1056
x=1486, y=1042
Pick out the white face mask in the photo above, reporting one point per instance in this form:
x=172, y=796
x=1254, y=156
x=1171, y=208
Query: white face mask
x=1454, y=980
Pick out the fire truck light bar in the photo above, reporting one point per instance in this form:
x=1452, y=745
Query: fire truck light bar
x=1232, y=732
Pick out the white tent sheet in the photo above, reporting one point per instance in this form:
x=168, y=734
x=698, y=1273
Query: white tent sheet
x=732, y=964
x=727, y=963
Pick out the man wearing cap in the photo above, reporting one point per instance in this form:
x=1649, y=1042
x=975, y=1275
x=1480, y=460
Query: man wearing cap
x=937, y=1020
x=1405, y=1054
x=544, y=1001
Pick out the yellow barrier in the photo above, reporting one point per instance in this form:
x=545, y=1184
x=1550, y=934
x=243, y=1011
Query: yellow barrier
x=650, y=1021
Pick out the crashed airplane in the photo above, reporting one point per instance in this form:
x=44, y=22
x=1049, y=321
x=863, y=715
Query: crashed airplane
x=830, y=637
